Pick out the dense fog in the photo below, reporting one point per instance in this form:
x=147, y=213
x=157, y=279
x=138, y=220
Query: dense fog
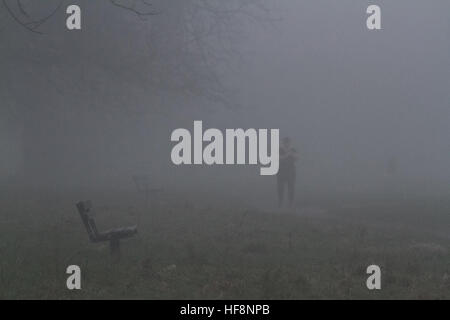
x=367, y=111
x=87, y=172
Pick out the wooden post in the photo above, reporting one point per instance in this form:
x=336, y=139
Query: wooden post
x=114, y=245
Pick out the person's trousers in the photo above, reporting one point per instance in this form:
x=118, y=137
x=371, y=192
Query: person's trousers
x=284, y=181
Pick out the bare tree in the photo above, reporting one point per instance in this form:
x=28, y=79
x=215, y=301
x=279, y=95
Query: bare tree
x=187, y=39
x=22, y=14
x=183, y=44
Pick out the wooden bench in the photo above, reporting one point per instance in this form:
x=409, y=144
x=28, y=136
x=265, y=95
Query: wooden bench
x=113, y=236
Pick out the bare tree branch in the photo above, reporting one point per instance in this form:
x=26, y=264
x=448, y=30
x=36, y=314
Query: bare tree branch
x=133, y=8
x=13, y=15
x=38, y=23
x=31, y=25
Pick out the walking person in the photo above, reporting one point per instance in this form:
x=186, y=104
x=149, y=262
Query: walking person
x=286, y=173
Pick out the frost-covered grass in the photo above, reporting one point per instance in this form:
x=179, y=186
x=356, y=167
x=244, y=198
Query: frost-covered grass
x=190, y=250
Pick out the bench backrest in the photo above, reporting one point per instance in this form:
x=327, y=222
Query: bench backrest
x=86, y=212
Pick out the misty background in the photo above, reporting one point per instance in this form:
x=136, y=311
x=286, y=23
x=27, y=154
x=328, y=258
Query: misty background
x=368, y=111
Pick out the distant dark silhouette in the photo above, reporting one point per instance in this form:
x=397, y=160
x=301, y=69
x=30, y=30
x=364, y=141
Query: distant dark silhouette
x=286, y=173
x=392, y=166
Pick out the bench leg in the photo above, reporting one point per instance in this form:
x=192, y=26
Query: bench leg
x=114, y=245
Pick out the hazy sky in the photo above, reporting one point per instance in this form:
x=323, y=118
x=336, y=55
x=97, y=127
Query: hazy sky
x=351, y=99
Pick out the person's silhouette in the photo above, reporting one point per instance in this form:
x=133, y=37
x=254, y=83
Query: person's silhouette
x=286, y=173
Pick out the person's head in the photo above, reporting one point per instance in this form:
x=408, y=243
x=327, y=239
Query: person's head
x=286, y=142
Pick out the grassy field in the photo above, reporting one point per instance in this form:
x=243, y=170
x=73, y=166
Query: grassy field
x=189, y=250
